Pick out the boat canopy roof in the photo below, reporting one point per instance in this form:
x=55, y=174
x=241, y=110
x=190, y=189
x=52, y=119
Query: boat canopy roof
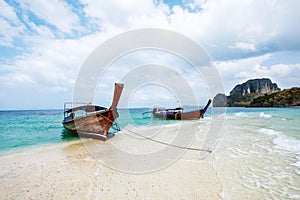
x=86, y=108
x=178, y=108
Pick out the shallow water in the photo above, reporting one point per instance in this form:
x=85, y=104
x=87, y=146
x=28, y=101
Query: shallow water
x=22, y=129
x=258, y=154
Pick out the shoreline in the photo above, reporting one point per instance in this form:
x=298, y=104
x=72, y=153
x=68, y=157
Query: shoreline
x=68, y=170
x=21, y=149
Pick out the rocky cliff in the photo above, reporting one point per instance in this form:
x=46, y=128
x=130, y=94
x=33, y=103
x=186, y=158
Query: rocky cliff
x=255, y=86
x=220, y=100
x=244, y=93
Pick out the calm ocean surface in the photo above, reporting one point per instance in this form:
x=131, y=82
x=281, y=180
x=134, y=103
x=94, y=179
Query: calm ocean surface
x=257, y=155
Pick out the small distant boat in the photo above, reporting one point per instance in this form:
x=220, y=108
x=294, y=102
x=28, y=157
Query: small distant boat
x=91, y=120
x=178, y=114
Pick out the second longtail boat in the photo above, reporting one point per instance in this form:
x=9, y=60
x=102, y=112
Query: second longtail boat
x=178, y=114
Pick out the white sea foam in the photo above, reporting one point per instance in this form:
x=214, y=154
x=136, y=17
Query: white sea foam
x=241, y=114
x=282, y=141
x=268, y=131
x=285, y=143
x=263, y=115
x=297, y=164
x=262, y=147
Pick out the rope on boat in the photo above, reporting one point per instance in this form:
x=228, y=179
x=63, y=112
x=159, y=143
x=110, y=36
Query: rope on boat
x=158, y=141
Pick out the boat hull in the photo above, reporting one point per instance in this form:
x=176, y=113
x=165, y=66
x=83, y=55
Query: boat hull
x=193, y=115
x=94, y=121
x=175, y=114
x=94, y=125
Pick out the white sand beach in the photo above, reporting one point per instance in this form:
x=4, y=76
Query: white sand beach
x=70, y=171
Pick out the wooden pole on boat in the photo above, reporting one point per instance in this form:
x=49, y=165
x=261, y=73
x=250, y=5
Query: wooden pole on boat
x=202, y=112
x=113, y=114
x=117, y=95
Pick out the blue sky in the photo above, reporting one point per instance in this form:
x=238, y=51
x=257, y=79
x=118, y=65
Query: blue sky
x=43, y=44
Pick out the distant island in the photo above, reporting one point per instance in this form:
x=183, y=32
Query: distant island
x=258, y=93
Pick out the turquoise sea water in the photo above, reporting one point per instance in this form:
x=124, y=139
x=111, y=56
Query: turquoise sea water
x=28, y=128
x=25, y=128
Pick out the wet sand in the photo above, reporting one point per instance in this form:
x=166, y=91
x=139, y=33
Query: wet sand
x=70, y=171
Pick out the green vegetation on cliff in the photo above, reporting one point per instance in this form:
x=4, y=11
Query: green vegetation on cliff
x=286, y=98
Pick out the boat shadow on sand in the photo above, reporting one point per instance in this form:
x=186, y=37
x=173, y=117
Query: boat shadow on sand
x=67, y=135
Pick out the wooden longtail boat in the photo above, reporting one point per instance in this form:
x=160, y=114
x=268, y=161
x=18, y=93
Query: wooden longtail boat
x=90, y=120
x=178, y=114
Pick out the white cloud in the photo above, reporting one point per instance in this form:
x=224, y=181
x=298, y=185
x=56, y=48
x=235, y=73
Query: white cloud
x=244, y=46
x=7, y=12
x=7, y=33
x=10, y=26
x=55, y=12
x=194, y=4
x=115, y=17
x=16, y=79
x=128, y=68
x=222, y=24
x=240, y=35
x=238, y=71
x=51, y=63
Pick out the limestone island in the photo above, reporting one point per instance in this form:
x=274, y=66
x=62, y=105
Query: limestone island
x=259, y=93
